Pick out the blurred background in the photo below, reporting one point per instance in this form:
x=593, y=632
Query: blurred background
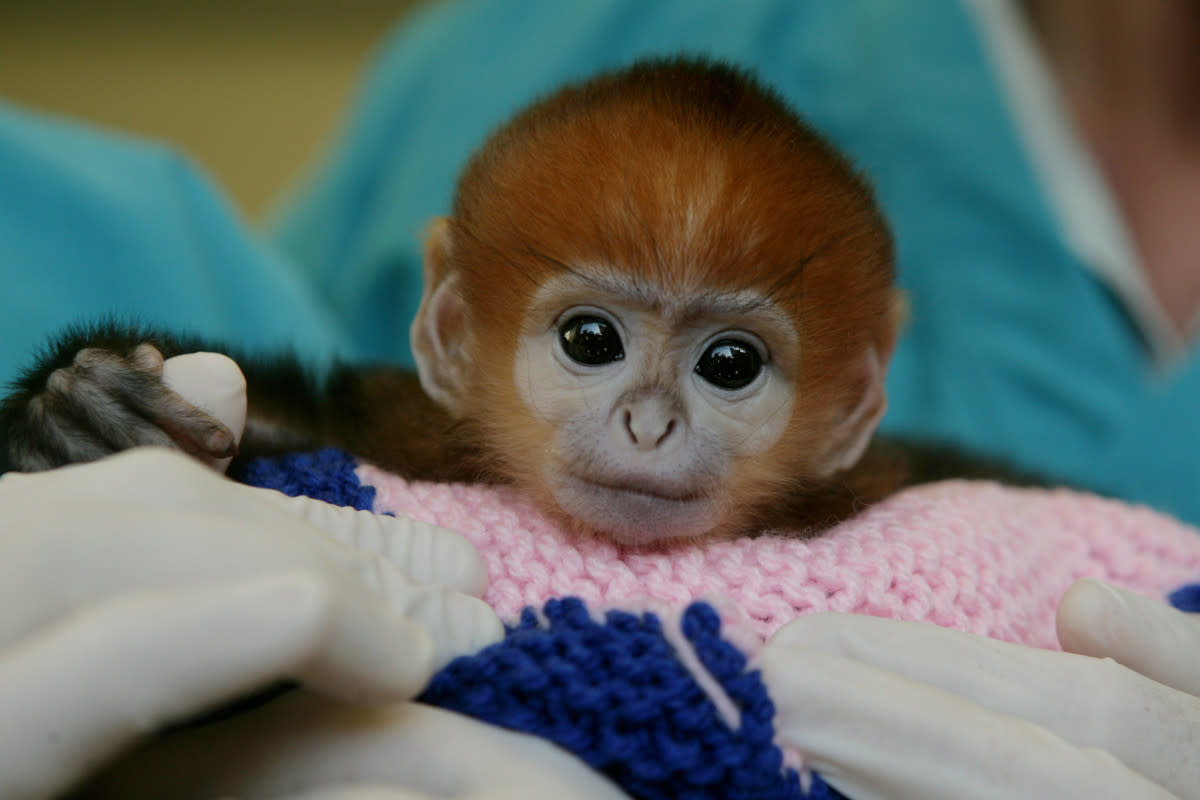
x=251, y=89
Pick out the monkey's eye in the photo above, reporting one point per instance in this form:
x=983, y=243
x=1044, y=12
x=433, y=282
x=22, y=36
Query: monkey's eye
x=591, y=340
x=729, y=364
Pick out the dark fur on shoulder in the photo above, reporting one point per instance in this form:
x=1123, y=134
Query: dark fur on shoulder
x=63, y=408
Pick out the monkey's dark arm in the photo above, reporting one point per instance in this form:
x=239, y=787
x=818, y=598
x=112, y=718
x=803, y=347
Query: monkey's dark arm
x=98, y=389
x=380, y=413
x=917, y=461
x=891, y=463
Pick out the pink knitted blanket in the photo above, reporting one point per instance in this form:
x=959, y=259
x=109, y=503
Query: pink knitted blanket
x=974, y=556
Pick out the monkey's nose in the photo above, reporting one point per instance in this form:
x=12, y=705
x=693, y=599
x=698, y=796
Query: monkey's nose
x=648, y=425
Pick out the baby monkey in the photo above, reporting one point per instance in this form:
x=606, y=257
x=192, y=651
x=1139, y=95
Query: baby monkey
x=662, y=306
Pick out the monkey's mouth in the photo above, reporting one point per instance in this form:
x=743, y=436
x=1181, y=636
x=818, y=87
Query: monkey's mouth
x=637, y=513
x=650, y=490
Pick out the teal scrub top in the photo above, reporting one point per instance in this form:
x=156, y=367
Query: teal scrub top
x=94, y=224
x=1013, y=349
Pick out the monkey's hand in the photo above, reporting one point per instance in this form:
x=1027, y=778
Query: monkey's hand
x=905, y=710
x=104, y=399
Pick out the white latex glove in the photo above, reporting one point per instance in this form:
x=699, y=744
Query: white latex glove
x=144, y=588
x=303, y=746
x=897, y=710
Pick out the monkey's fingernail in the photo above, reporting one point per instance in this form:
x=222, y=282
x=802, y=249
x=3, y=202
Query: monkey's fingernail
x=221, y=444
x=148, y=358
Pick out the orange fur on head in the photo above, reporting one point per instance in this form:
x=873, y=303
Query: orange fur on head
x=685, y=178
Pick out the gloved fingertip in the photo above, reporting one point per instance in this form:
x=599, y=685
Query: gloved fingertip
x=486, y=628
x=1086, y=615
x=434, y=554
x=396, y=666
x=461, y=563
x=459, y=624
x=819, y=631
x=417, y=661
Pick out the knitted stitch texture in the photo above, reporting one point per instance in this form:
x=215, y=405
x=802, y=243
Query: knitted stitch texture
x=614, y=691
x=978, y=557
x=326, y=474
x=665, y=702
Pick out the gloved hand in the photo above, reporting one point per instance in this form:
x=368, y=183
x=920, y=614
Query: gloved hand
x=301, y=745
x=142, y=589
x=896, y=710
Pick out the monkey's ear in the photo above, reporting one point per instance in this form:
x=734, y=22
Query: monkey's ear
x=439, y=332
x=867, y=403
x=893, y=325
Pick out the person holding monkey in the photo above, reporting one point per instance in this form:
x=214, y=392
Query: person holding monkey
x=1115, y=372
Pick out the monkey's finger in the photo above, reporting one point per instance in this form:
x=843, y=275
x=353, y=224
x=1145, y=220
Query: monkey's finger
x=195, y=431
x=874, y=734
x=137, y=381
x=77, y=419
x=213, y=383
x=53, y=437
x=1146, y=635
x=147, y=358
x=82, y=414
x=426, y=553
x=124, y=401
x=1093, y=703
x=74, y=693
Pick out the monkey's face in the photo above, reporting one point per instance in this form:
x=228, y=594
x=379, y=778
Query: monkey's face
x=649, y=398
x=661, y=305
